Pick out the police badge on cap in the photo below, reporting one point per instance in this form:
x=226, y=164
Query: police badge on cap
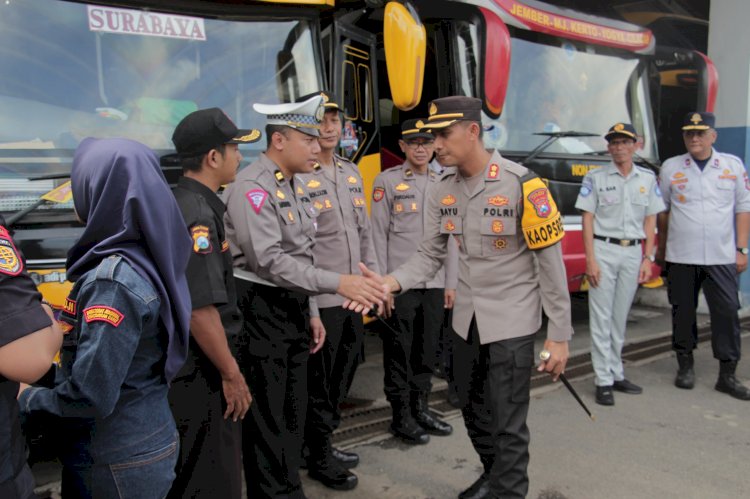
x=446, y=111
x=621, y=130
x=698, y=121
x=303, y=116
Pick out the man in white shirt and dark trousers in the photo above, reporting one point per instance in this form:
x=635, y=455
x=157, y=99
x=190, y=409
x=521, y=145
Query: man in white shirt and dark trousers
x=705, y=229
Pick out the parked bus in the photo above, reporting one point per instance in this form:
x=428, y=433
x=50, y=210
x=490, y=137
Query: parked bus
x=552, y=81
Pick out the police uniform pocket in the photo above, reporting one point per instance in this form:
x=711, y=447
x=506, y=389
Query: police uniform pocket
x=498, y=235
x=609, y=199
x=523, y=360
x=407, y=222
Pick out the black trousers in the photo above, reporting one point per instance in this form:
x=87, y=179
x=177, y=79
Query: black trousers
x=720, y=286
x=409, y=356
x=330, y=375
x=273, y=350
x=210, y=461
x=493, y=383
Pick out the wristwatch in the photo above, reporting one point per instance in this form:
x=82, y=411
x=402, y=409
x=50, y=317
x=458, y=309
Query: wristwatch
x=650, y=258
x=744, y=251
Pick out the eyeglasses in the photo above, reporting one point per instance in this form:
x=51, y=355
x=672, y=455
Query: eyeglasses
x=416, y=145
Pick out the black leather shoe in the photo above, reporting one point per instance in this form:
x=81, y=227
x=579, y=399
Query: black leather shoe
x=477, y=490
x=604, y=395
x=346, y=459
x=626, y=386
x=333, y=475
x=409, y=431
x=434, y=426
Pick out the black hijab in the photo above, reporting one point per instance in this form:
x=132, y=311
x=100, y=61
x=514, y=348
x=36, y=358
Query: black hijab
x=120, y=193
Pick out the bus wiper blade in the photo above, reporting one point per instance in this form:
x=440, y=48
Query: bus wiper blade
x=60, y=194
x=551, y=139
x=51, y=176
x=650, y=164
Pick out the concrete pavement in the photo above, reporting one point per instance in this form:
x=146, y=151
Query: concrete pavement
x=664, y=443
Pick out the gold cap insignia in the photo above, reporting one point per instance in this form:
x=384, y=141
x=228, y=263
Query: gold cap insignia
x=696, y=118
x=619, y=127
x=433, y=108
x=252, y=136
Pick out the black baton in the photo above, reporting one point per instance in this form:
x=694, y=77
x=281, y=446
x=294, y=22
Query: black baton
x=544, y=355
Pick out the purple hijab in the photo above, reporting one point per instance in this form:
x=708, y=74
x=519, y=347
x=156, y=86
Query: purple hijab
x=121, y=195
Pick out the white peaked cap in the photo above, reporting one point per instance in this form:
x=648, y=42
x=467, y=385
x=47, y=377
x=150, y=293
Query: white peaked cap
x=304, y=116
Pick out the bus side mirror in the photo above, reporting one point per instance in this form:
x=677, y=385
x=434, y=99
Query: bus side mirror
x=495, y=63
x=405, y=41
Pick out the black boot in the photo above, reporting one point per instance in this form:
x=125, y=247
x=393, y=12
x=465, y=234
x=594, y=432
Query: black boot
x=685, y=374
x=728, y=382
x=347, y=459
x=428, y=419
x=323, y=467
x=406, y=428
x=480, y=489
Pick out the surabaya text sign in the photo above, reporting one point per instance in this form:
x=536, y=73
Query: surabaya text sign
x=137, y=22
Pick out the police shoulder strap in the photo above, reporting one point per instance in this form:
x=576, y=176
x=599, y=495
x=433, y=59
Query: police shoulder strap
x=541, y=221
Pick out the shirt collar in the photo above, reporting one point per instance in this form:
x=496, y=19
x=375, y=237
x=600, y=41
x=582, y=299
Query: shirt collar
x=213, y=200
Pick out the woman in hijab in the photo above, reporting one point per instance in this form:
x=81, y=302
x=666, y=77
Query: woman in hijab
x=128, y=316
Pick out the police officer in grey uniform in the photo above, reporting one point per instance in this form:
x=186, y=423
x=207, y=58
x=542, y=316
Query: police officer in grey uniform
x=398, y=218
x=619, y=204
x=705, y=230
x=270, y=224
x=209, y=395
x=343, y=238
x=510, y=265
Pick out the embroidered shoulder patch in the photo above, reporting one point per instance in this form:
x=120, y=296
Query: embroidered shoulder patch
x=256, y=197
x=201, y=239
x=103, y=313
x=377, y=194
x=10, y=260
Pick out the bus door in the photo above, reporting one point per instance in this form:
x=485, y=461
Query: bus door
x=354, y=81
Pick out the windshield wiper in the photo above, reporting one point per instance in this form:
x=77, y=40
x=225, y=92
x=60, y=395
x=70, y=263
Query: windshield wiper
x=59, y=194
x=646, y=162
x=551, y=139
x=636, y=157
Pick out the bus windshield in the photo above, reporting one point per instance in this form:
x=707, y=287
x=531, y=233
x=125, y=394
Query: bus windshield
x=70, y=71
x=571, y=87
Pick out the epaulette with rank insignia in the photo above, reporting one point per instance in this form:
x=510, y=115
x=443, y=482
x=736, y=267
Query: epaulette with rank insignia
x=541, y=221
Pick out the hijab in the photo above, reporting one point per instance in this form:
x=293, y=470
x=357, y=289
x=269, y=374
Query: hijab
x=120, y=193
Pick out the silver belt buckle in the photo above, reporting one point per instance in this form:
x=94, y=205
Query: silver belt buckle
x=624, y=242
